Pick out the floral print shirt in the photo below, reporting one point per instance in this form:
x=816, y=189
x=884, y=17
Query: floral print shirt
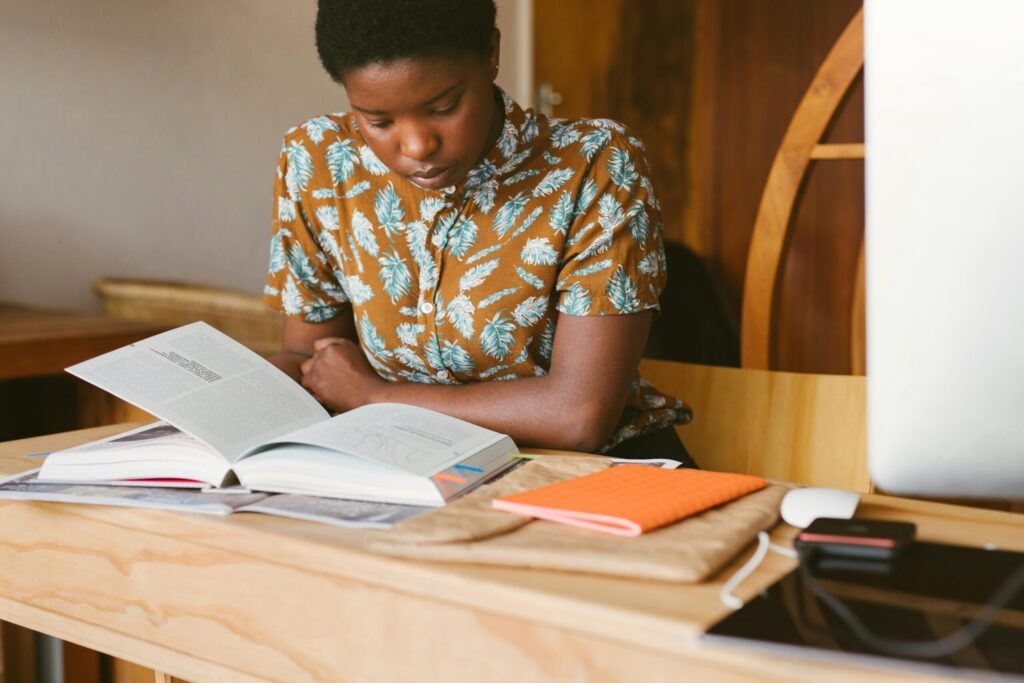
x=465, y=284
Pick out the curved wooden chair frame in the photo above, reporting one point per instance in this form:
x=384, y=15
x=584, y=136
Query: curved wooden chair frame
x=800, y=147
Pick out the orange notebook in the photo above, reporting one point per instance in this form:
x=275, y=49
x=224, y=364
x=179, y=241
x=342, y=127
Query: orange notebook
x=628, y=500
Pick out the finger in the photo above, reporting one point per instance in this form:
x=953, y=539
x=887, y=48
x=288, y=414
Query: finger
x=306, y=366
x=321, y=344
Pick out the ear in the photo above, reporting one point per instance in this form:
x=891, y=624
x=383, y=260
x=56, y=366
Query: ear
x=494, y=52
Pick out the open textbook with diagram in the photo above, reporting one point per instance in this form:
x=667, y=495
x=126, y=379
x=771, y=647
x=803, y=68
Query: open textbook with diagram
x=231, y=416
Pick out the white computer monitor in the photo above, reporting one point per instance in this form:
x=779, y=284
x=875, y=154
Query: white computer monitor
x=944, y=121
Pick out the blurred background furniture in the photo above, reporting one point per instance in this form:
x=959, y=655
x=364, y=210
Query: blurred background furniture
x=170, y=304
x=801, y=146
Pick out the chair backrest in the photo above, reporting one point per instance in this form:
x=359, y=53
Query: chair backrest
x=241, y=316
x=801, y=146
x=799, y=427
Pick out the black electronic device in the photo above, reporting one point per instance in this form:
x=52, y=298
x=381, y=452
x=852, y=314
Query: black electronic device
x=930, y=595
x=854, y=538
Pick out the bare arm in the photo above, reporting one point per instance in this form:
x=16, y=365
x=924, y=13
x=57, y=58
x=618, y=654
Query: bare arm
x=575, y=406
x=298, y=336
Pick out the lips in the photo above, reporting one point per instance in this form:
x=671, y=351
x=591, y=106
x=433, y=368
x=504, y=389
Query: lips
x=431, y=178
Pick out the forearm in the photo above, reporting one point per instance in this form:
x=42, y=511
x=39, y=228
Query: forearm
x=290, y=363
x=534, y=411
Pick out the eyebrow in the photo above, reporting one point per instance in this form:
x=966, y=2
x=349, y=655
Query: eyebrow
x=441, y=95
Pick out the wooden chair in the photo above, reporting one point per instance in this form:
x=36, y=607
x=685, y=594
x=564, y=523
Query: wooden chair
x=801, y=146
x=805, y=428
x=798, y=427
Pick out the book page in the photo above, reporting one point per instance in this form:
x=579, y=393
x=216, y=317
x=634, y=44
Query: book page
x=340, y=512
x=406, y=437
x=207, y=384
x=25, y=486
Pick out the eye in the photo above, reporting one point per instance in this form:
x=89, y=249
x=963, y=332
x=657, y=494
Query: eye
x=448, y=109
x=383, y=123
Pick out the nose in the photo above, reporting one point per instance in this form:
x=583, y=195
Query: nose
x=419, y=142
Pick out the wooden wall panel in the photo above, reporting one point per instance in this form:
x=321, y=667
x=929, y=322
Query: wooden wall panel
x=767, y=55
x=630, y=61
x=711, y=86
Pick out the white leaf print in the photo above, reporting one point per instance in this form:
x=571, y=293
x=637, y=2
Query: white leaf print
x=341, y=160
x=300, y=266
x=575, y=301
x=456, y=357
x=527, y=222
x=475, y=276
x=362, y=230
x=300, y=169
x=500, y=294
x=407, y=356
x=547, y=340
x=388, y=207
x=497, y=336
x=529, y=311
x=609, y=123
x=460, y=311
x=462, y=237
x=585, y=196
x=552, y=181
x=563, y=134
x=371, y=340
x=430, y=207
x=357, y=189
x=561, y=213
x=594, y=268
x=291, y=299
x=278, y=259
x=328, y=217
x=609, y=212
x=621, y=169
x=538, y=251
x=315, y=128
x=622, y=292
x=370, y=161
x=358, y=291
x=593, y=142
x=407, y=333
x=529, y=278
x=394, y=275
x=285, y=210
x=509, y=213
x=528, y=131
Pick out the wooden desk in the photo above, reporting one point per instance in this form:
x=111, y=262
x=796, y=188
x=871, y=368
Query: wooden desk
x=36, y=342
x=253, y=597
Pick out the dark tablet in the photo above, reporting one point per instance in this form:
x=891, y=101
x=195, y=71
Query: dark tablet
x=930, y=592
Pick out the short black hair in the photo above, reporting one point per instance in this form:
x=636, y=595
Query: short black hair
x=354, y=33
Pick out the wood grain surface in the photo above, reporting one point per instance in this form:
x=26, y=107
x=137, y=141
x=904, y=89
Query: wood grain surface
x=251, y=597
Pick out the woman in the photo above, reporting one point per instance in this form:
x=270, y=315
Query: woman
x=438, y=240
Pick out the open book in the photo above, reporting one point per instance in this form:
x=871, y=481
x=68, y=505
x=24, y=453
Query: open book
x=231, y=415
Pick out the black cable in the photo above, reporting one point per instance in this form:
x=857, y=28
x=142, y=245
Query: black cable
x=926, y=649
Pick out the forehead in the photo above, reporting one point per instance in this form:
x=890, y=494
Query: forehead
x=407, y=83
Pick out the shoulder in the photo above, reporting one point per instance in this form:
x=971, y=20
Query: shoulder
x=591, y=135
x=323, y=131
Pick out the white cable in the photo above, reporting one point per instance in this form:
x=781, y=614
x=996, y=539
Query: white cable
x=763, y=545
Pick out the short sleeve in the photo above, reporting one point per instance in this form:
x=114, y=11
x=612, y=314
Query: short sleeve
x=300, y=281
x=614, y=259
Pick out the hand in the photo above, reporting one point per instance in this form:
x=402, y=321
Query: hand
x=339, y=376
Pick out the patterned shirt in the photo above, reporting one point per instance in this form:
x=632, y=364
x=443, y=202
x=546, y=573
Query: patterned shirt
x=465, y=284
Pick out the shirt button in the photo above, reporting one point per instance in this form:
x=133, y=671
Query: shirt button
x=438, y=240
x=443, y=374
x=426, y=308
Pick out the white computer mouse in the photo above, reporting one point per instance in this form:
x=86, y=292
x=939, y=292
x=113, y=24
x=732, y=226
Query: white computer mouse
x=802, y=506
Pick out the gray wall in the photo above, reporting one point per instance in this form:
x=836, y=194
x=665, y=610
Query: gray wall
x=139, y=137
